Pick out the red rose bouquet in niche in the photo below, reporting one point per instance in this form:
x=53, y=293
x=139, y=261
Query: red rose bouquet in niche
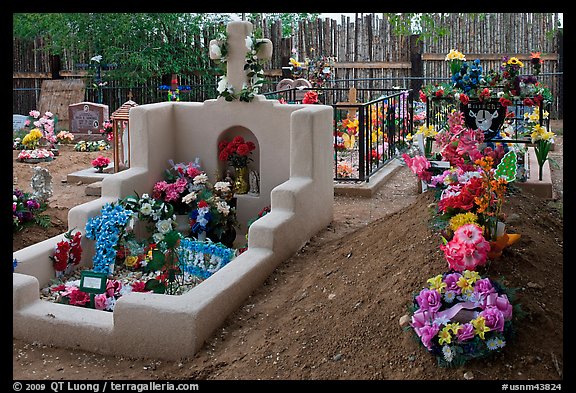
x=237, y=154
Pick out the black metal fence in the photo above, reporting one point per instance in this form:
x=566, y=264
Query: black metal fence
x=367, y=133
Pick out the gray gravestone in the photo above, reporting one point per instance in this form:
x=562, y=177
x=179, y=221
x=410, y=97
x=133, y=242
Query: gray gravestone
x=86, y=119
x=18, y=122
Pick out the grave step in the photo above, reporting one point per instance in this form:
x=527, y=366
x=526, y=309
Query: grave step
x=89, y=175
x=541, y=188
x=367, y=189
x=94, y=189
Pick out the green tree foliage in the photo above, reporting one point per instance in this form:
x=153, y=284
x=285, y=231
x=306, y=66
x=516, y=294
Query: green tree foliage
x=142, y=45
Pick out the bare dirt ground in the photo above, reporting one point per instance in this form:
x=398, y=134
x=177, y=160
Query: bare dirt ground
x=331, y=311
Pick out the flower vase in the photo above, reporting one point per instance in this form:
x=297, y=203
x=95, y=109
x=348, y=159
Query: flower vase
x=99, y=169
x=183, y=224
x=241, y=184
x=428, y=147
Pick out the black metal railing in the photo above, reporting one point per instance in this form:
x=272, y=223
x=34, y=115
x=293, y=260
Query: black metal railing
x=367, y=133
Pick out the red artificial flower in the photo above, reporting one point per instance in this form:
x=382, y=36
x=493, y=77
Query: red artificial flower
x=223, y=156
x=202, y=204
x=504, y=101
x=243, y=150
x=484, y=94
x=237, y=140
x=192, y=171
x=78, y=298
x=423, y=97
x=439, y=93
x=139, y=286
x=59, y=288
x=528, y=102
x=538, y=99
x=251, y=145
x=464, y=99
x=311, y=97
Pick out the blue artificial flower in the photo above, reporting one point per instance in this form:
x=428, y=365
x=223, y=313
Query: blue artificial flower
x=14, y=264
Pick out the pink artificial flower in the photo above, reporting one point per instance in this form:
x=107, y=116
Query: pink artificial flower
x=469, y=234
x=139, y=286
x=113, y=288
x=34, y=114
x=100, y=301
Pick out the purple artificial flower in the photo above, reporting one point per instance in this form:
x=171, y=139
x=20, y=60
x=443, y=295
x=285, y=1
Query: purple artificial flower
x=429, y=300
x=484, y=287
x=451, y=280
x=503, y=304
x=494, y=318
x=427, y=333
x=465, y=332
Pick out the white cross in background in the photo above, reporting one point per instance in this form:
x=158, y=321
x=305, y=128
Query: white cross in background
x=237, y=50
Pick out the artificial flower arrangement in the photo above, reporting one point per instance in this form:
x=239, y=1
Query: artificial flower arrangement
x=470, y=81
x=107, y=130
x=236, y=152
x=91, y=146
x=45, y=124
x=67, y=253
x=179, y=181
x=35, y=155
x=346, y=134
x=27, y=210
x=265, y=210
x=65, y=137
x=100, y=162
x=461, y=316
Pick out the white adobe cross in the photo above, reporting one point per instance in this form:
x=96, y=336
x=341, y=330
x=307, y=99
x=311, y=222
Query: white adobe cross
x=238, y=31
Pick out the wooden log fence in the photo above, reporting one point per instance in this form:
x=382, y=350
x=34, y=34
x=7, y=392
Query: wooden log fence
x=365, y=52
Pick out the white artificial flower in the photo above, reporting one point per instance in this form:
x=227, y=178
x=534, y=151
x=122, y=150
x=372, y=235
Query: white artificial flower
x=223, y=208
x=145, y=196
x=248, y=43
x=164, y=226
x=157, y=237
x=500, y=94
x=189, y=198
x=200, y=179
x=146, y=209
x=96, y=58
x=448, y=354
x=216, y=51
x=222, y=186
x=222, y=84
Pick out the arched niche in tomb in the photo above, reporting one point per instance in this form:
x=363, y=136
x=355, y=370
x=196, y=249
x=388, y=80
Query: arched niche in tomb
x=228, y=135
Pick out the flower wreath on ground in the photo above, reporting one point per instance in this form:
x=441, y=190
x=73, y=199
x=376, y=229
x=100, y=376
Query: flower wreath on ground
x=462, y=316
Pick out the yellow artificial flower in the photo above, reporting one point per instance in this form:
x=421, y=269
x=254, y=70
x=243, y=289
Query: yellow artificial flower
x=130, y=260
x=437, y=283
x=471, y=276
x=462, y=219
x=409, y=137
x=455, y=55
x=480, y=327
x=453, y=327
x=428, y=132
x=515, y=61
x=444, y=336
x=465, y=285
x=295, y=62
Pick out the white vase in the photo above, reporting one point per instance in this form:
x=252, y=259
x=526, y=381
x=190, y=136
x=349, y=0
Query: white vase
x=500, y=229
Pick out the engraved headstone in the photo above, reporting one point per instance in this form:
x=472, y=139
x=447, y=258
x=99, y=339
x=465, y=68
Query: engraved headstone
x=86, y=119
x=18, y=122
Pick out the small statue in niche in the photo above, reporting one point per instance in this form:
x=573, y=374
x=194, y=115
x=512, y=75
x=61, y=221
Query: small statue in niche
x=254, y=181
x=41, y=184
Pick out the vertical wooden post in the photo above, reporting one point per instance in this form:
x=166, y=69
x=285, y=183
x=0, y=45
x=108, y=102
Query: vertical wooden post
x=285, y=53
x=560, y=68
x=55, y=66
x=416, y=64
